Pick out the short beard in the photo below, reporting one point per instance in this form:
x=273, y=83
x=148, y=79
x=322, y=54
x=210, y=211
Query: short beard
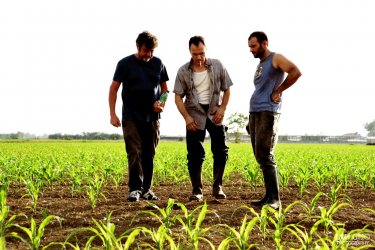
x=260, y=53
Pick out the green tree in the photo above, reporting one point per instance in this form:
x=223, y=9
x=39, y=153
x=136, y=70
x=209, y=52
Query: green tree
x=236, y=123
x=370, y=127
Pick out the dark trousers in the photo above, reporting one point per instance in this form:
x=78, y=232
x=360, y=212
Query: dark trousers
x=263, y=134
x=196, y=154
x=141, y=140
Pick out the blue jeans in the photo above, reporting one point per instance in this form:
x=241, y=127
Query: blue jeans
x=141, y=140
x=196, y=154
x=263, y=133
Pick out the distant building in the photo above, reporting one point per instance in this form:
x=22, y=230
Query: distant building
x=370, y=140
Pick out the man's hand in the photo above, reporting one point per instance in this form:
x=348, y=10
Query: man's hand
x=190, y=124
x=276, y=97
x=158, y=106
x=218, y=115
x=115, y=121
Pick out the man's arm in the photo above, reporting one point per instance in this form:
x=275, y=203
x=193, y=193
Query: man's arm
x=159, y=106
x=112, y=98
x=190, y=123
x=164, y=87
x=281, y=62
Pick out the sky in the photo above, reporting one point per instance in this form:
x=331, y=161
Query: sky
x=57, y=59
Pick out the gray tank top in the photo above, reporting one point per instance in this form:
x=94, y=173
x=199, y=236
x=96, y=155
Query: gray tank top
x=266, y=79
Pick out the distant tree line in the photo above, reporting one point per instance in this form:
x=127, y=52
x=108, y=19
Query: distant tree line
x=16, y=136
x=86, y=136
x=59, y=136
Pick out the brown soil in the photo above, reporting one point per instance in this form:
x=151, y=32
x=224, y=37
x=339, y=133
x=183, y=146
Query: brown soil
x=76, y=211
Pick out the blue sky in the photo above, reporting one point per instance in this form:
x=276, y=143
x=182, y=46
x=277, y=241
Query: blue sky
x=57, y=59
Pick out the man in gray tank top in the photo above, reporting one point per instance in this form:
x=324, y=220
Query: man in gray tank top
x=265, y=106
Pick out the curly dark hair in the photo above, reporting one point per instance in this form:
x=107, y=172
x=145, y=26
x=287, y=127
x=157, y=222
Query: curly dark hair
x=147, y=39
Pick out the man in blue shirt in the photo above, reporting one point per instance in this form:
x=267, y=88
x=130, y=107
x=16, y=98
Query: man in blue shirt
x=265, y=106
x=143, y=78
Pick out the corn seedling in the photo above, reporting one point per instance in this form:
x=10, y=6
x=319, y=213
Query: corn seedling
x=284, y=177
x=95, y=190
x=240, y=238
x=192, y=226
x=263, y=219
x=252, y=175
x=344, y=240
x=165, y=215
x=5, y=222
x=106, y=233
x=159, y=237
x=310, y=208
x=305, y=238
x=326, y=216
x=278, y=220
x=302, y=178
x=34, y=233
x=33, y=189
x=334, y=195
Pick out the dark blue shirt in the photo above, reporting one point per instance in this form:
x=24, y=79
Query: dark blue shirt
x=140, y=87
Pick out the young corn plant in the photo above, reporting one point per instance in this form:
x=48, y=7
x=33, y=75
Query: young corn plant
x=334, y=195
x=344, y=240
x=76, y=184
x=320, y=178
x=252, y=175
x=302, y=178
x=364, y=180
x=34, y=233
x=95, y=190
x=240, y=238
x=5, y=222
x=117, y=177
x=33, y=189
x=263, y=218
x=278, y=221
x=310, y=208
x=326, y=216
x=372, y=181
x=159, y=237
x=306, y=239
x=50, y=173
x=106, y=233
x=192, y=225
x=165, y=215
x=284, y=177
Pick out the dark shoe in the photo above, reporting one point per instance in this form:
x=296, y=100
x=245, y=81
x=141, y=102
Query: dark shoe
x=196, y=197
x=134, y=195
x=259, y=203
x=274, y=203
x=218, y=193
x=271, y=183
x=149, y=195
